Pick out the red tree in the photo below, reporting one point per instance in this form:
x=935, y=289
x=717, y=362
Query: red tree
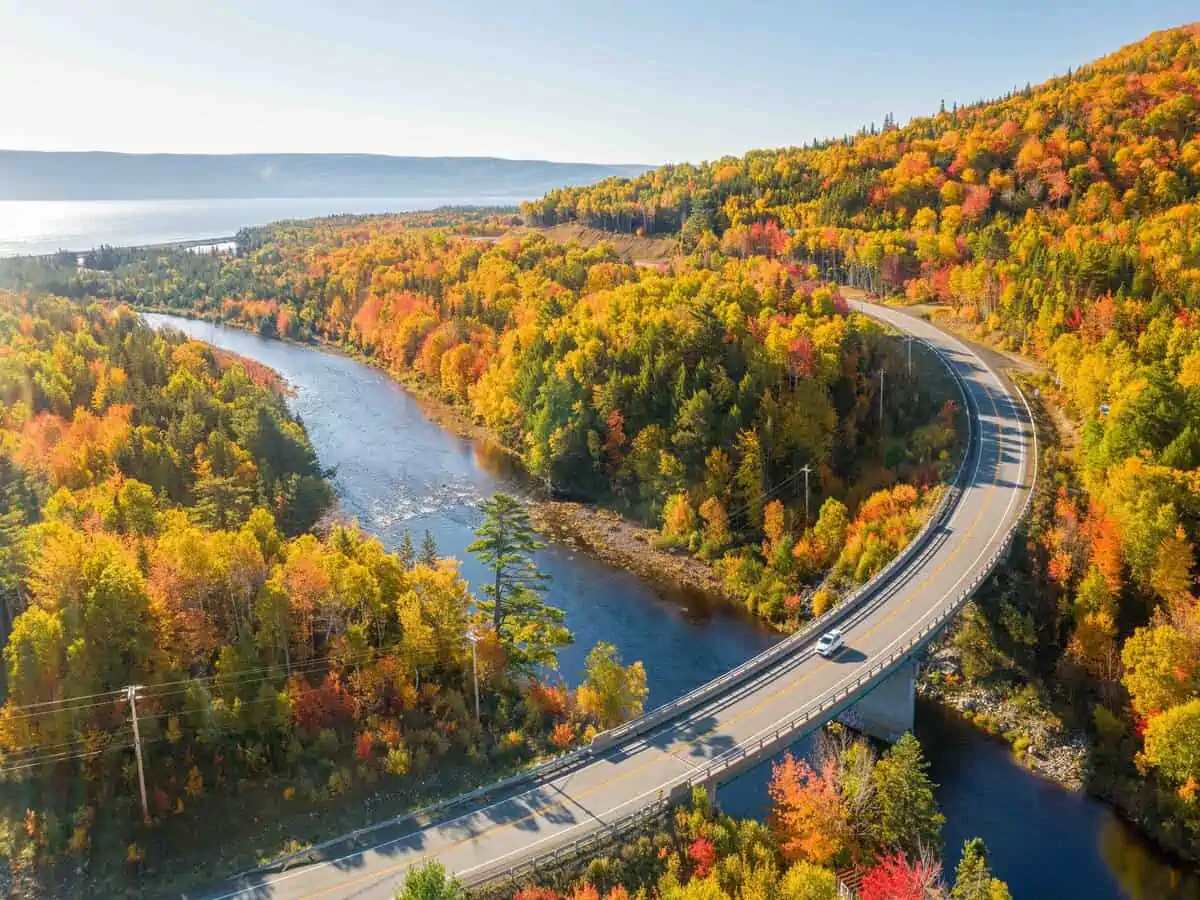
x=895, y=878
x=703, y=854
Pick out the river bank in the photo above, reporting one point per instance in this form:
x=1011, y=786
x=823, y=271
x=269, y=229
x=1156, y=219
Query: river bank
x=1038, y=739
x=1034, y=716
x=425, y=481
x=626, y=544
x=602, y=532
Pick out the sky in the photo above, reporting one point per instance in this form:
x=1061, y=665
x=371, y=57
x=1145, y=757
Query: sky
x=612, y=81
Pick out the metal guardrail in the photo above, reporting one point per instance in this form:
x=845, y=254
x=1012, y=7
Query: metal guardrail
x=698, y=695
x=810, y=715
x=585, y=847
x=822, y=623
x=743, y=672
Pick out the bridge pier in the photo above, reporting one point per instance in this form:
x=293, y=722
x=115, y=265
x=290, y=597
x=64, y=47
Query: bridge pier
x=889, y=710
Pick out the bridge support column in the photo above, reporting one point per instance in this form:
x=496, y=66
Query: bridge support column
x=889, y=710
x=714, y=802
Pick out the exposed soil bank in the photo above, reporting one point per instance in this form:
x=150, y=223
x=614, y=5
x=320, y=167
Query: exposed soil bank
x=627, y=545
x=642, y=251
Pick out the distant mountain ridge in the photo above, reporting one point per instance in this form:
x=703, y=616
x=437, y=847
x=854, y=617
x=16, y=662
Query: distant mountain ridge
x=52, y=175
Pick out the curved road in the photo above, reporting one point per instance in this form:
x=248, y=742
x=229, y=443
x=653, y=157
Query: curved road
x=750, y=719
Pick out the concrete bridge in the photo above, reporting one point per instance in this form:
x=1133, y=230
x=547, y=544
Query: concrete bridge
x=632, y=774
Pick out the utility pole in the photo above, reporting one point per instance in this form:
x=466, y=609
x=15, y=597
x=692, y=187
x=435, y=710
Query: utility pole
x=881, y=371
x=474, y=639
x=131, y=694
x=805, y=468
x=908, y=339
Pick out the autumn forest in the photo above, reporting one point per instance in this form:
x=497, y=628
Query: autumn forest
x=166, y=522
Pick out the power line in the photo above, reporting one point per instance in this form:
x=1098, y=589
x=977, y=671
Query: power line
x=237, y=676
x=67, y=699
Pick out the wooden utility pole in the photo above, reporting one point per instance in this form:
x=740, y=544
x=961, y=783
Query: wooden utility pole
x=806, y=469
x=131, y=693
x=474, y=639
x=881, y=371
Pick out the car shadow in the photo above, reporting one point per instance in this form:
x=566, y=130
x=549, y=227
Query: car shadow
x=848, y=655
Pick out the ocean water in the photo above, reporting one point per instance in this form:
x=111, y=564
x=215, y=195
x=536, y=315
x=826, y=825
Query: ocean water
x=45, y=226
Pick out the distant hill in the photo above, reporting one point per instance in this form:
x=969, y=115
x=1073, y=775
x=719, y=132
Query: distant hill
x=36, y=175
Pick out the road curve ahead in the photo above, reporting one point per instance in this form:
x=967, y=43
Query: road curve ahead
x=745, y=718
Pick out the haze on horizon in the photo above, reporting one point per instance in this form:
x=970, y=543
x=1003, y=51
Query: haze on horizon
x=620, y=83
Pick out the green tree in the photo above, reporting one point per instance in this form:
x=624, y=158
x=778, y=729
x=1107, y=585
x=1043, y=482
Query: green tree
x=908, y=818
x=611, y=692
x=429, y=550
x=406, y=551
x=751, y=477
x=429, y=881
x=505, y=544
x=1173, y=742
x=973, y=879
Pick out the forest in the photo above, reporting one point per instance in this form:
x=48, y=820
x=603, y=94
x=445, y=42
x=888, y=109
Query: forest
x=1061, y=223
x=692, y=399
x=1058, y=223
x=167, y=526
x=868, y=820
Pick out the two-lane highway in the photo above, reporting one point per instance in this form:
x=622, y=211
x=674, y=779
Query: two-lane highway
x=792, y=694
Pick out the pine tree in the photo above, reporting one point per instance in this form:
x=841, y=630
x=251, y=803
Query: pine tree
x=973, y=879
x=406, y=551
x=908, y=815
x=429, y=550
x=505, y=543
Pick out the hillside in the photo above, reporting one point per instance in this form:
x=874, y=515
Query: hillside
x=1114, y=141
x=1061, y=222
x=641, y=251
x=33, y=175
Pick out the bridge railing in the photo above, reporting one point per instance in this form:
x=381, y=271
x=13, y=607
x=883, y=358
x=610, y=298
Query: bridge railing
x=755, y=748
x=822, y=623
x=809, y=716
x=567, y=761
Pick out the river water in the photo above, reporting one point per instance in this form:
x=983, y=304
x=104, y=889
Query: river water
x=396, y=469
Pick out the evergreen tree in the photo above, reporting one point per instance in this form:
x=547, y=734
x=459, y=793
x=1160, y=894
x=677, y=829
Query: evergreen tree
x=505, y=544
x=429, y=550
x=407, y=552
x=908, y=818
x=973, y=879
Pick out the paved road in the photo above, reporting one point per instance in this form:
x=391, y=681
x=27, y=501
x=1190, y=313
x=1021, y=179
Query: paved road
x=634, y=773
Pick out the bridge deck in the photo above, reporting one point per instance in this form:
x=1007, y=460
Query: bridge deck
x=632, y=774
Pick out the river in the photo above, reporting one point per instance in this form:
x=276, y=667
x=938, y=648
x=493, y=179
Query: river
x=396, y=469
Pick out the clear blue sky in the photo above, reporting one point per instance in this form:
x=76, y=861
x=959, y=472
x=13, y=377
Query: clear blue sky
x=648, y=81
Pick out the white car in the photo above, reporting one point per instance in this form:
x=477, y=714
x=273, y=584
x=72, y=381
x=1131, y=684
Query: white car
x=831, y=642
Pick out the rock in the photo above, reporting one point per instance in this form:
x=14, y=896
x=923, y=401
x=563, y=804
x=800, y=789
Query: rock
x=947, y=666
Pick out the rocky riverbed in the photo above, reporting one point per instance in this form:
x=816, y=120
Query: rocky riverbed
x=1020, y=715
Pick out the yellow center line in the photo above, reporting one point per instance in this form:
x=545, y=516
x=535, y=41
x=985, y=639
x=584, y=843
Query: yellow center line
x=532, y=814
x=912, y=594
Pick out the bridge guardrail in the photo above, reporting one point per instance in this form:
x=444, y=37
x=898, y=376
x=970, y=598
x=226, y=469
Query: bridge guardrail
x=697, y=695
x=809, y=715
x=816, y=626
